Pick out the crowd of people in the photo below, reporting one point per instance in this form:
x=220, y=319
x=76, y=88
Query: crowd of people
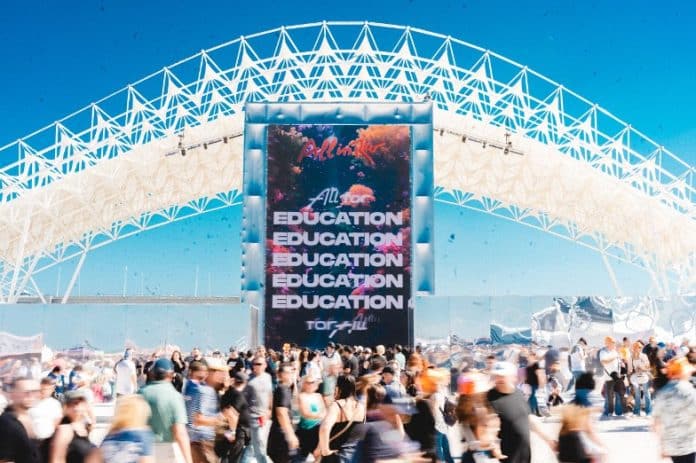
x=355, y=404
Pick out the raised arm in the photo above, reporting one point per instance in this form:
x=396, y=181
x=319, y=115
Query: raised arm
x=325, y=429
x=536, y=428
x=59, y=446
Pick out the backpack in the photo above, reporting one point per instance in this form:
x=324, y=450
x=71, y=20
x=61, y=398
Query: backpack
x=449, y=412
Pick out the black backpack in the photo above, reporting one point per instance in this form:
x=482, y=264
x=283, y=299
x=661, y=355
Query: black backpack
x=449, y=412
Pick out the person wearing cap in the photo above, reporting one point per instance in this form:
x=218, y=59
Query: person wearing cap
x=611, y=367
x=168, y=419
x=203, y=409
x=516, y=420
x=15, y=423
x=675, y=413
x=235, y=409
x=392, y=386
x=71, y=439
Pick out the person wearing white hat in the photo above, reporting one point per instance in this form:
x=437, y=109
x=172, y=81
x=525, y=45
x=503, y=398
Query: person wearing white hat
x=515, y=416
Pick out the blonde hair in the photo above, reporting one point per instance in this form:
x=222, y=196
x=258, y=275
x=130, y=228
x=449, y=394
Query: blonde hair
x=573, y=418
x=131, y=412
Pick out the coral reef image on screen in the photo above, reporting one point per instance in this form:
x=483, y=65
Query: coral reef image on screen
x=338, y=241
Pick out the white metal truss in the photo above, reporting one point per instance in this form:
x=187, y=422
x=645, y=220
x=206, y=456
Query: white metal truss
x=509, y=142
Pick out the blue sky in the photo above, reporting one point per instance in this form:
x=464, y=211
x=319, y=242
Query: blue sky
x=636, y=62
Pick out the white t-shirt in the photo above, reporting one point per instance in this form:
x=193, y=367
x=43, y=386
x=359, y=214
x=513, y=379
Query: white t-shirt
x=613, y=365
x=314, y=370
x=401, y=360
x=437, y=405
x=125, y=370
x=44, y=416
x=327, y=361
x=577, y=359
x=675, y=409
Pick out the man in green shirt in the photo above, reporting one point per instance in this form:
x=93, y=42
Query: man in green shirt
x=168, y=418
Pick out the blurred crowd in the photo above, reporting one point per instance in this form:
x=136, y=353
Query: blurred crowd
x=350, y=403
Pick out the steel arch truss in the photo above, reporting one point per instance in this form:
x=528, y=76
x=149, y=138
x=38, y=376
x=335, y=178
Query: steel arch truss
x=491, y=114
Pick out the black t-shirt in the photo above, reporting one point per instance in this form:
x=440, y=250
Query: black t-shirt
x=571, y=449
x=282, y=397
x=660, y=378
x=179, y=368
x=532, y=376
x=15, y=444
x=550, y=357
x=513, y=411
x=421, y=427
x=352, y=364
x=376, y=445
x=363, y=365
x=235, y=365
x=651, y=352
x=237, y=400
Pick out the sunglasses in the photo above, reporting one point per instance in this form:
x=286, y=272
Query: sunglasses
x=258, y=364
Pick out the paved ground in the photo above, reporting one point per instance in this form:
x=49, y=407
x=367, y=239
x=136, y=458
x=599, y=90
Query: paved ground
x=628, y=440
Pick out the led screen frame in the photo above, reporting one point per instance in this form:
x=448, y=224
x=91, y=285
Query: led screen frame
x=258, y=118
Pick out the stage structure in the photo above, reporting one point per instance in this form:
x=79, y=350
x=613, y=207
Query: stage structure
x=507, y=142
x=338, y=220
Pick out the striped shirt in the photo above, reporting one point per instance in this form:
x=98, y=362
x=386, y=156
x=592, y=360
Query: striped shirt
x=200, y=399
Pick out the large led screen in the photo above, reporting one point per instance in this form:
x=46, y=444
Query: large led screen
x=338, y=234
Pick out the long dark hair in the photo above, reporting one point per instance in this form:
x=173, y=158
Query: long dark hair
x=345, y=387
x=375, y=396
x=180, y=360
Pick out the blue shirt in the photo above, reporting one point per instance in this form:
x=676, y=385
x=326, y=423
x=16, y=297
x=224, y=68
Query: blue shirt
x=127, y=446
x=203, y=399
x=60, y=382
